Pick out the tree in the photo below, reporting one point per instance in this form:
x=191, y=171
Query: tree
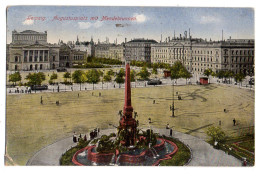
x=144, y=73
x=230, y=75
x=120, y=77
x=132, y=76
x=220, y=74
x=93, y=76
x=186, y=74
x=53, y=77
x=208, y=72
x=79, y=77
x=15, y=77
x=239, y=77
x=216, y=134
x=177, y=70
x=35, y=78
x=107, y=78
x=110, y=72
x=154, y=71
x=66, y=76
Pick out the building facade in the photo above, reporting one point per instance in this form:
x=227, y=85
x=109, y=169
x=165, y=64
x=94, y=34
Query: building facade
x=70, y=57
x=139, y=49
x=32, y=54
x=117, y=52
x=197, y=55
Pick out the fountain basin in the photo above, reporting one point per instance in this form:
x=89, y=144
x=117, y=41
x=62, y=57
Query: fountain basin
x=131, y=158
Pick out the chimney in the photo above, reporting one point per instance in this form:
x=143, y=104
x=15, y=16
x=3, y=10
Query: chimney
x=125, y=40
x=180, y=36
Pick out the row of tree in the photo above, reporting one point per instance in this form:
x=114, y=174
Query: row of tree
x=228, y=74
x=93, y=76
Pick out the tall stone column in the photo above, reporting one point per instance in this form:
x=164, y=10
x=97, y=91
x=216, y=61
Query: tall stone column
x=38, y=58
x=43, y=55
x=33, y=54
x=28, y=56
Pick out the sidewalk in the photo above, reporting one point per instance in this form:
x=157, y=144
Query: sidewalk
x=202, y=153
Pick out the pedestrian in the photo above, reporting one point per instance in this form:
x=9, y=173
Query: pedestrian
x=167, y=126
x=150, y=120
x=74, y=137
x=41, y=100
x=244, y=163
x=219, y=122
x=99, y=94
x=78, y=95
x=114, y=86
x=170, y=132
x=57, y=103
x=85, y=88
x=153, y=101
x=225, y=110
x=234, y=122
x=85, y=137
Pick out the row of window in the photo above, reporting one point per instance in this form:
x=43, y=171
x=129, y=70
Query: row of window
x=29, y=37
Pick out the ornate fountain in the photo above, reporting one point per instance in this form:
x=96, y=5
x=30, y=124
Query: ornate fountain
x=128, y=146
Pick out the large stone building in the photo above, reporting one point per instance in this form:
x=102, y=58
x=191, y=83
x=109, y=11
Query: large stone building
x=139, y=49
x=117, y=52
x=198, y=55
x=70, y=57
x=29, y=50
x=102, y=50
x=87, y=47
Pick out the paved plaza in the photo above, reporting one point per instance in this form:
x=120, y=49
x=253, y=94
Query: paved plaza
x=203, y=154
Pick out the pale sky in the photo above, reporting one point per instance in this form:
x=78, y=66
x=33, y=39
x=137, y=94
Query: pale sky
x=150, y=22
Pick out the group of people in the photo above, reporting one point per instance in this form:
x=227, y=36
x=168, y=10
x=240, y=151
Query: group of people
x=77, y=139
x=17, y=90
x=93, y=134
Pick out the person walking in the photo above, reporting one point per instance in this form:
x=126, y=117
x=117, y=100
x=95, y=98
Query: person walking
x=74, y=137
x=234, y=122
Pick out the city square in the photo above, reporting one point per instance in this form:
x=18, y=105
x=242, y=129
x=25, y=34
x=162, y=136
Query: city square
x=152, y=97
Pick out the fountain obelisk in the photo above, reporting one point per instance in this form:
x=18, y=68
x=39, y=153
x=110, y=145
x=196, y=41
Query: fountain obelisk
x=127, y=123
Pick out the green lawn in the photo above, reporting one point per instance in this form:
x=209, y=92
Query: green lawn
x=31, y=126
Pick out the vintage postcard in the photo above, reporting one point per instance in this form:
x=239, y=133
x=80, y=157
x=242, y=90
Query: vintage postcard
x=130, y=86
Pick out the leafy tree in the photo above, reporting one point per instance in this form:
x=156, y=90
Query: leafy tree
x=208, y=72
x=220, y=74
x=110, y=72
x=230, y=74
x=216, y=134
x=132, y=76
x=144, y=73
x=66, y=76
x=239, y=77
x=107, y=78
x=35, y=78
x=53, y=77
x=93, y=76
x=79, y=77
x=177, y=70
x=186, y=74
x=120, y=77
x=154, y=71
x=15, y=77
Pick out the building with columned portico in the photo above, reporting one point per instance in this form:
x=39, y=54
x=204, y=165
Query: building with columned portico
x=29, y=50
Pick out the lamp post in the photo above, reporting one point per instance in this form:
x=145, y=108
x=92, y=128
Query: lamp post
x=172, y=107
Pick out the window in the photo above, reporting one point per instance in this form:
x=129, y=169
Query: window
x=16, y=58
